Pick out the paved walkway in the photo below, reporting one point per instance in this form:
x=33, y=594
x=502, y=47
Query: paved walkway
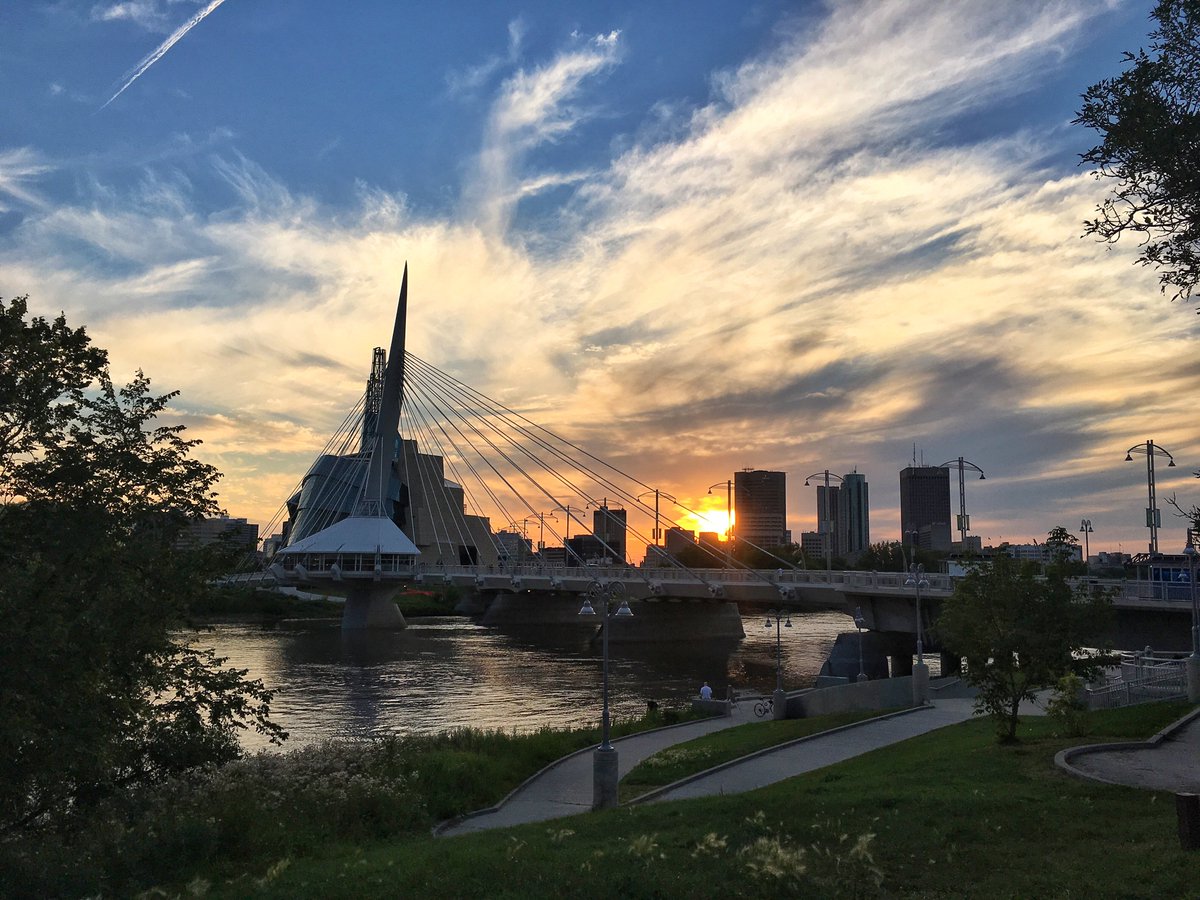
x=1169, y=761
x=565, y=787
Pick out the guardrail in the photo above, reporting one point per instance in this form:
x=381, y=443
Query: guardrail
x=1140, y=679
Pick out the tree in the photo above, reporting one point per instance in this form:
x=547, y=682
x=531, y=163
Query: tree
x=95, y=690
x=1020, y=633
x=1149, y=120
x=1061, y=545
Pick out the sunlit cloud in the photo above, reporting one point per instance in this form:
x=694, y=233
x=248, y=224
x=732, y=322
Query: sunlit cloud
x=792, y=275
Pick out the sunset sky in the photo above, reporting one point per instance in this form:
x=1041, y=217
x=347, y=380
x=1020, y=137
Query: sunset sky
x=694, y=237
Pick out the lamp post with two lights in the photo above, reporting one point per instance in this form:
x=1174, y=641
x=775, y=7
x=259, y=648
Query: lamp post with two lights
x=779, y=698
x=605, y=776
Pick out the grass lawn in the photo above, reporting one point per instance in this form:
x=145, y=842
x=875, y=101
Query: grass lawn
x=947, y=814
x=686, y=759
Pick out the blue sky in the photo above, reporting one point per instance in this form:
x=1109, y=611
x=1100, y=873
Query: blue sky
x=695, y=236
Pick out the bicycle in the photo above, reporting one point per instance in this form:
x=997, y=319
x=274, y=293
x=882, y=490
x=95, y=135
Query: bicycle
x=764, y=706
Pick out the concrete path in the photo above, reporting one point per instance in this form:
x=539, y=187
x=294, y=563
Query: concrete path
x=815, y=752
x=1169, y=761
x=565, y=787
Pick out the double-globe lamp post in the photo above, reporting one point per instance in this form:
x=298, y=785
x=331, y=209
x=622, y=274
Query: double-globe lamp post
x=860, y=623
x=779, y=698
x=605, y=777
x=920, y=676
x=728, y=485
x=1153, y=519
x=826, y=526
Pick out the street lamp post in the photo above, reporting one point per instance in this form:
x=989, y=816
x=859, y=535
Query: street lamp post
x=1153, y=520
x=657, y=538
x=728, y=515
x=1085, y=528
x=827, y=532
x=604, y=761
x=1193, y=661
x=964, y=521
x=920, y=676
x=859, y=622
x=779, y=698
x=541, y=518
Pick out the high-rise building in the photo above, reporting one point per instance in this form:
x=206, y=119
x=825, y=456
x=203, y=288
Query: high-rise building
x=609, y=526
x=827, y=517
x=679, y=539
x=853, y=531
x=760, y=507
x=925, y=507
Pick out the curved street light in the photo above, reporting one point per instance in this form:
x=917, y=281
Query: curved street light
x=604, y=760
x=657, y=519
x=964, y=521
x=541, y=519
x=728, y=485
x=916, y=579
x=1153, y=519
x=827, y=534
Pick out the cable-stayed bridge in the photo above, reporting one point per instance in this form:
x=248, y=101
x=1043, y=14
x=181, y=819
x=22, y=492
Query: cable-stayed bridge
x=429, y=481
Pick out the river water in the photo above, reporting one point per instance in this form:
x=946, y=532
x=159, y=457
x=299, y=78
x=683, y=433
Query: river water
x=442, y=673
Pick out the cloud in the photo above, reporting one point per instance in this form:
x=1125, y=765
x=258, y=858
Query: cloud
x=160, y=51
x=803, y=272
x=18, y=167
x=532, y=108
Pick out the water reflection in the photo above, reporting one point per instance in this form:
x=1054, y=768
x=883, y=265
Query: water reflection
x=446, y=672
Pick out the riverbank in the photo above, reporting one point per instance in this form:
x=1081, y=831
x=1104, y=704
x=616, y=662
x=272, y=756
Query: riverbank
x=949, y=813
x=242, y=605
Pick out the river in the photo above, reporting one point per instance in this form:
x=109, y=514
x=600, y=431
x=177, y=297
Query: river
x=442, y=673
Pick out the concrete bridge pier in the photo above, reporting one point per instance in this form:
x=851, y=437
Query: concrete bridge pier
x=372, y=605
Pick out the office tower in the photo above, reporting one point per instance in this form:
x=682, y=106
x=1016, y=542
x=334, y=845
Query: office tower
x=760, y=507
x=853, y=534
x=827, y=517
x=925, y=507
x=679, y=539
x=609, y=525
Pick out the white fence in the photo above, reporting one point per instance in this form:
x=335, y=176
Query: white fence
x=1140, y=678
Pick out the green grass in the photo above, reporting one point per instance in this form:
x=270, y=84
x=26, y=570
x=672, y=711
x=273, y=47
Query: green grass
x=948, y=814
x=682, y=760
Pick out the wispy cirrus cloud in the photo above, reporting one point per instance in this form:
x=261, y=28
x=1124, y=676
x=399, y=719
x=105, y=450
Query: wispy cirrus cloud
x=532, y=108
x=160, y=51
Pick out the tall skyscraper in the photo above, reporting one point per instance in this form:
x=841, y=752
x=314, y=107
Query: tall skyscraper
x=853, y=534
x=827, y=517
x=610, y=525
x=760, y=507
x=925, y=507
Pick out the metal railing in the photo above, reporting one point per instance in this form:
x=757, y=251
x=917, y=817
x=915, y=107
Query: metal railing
x=1140, y=678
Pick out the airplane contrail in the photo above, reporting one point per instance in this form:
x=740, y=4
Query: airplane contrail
x=164, y=47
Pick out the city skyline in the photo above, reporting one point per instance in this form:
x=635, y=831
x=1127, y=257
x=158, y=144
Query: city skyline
x=694, y=239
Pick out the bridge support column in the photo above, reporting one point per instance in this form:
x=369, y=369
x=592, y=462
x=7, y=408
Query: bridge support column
x=604, y=778
x=920, y=684
x=372, y=606
x=1193, y=678
x=779, y=704
x=951, y=664
x=902, y=664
